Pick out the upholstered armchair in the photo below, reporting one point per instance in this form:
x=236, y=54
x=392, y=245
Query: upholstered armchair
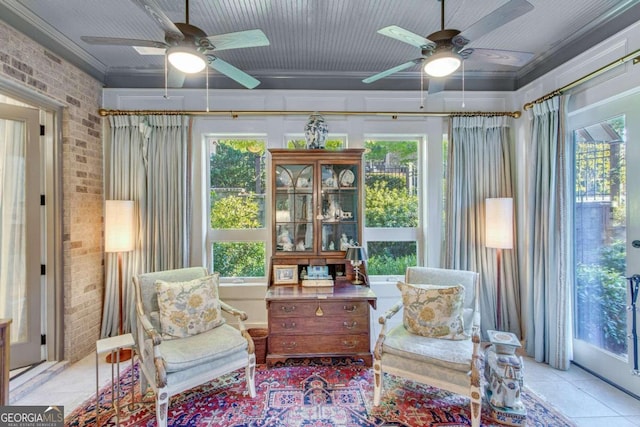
x=182, y=337
x=438, y=341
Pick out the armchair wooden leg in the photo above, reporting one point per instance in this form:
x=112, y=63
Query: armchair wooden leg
x=377, y=382
x=250, y=371
x=162, y=408
x=475, y=406
x=476, y=384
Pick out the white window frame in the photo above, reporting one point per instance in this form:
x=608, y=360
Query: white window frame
x=235, y=235
x=355, y=130
x=404, y=234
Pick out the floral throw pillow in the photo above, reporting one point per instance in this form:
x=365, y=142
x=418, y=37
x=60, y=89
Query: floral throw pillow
x=433, y=311
x=189, y=308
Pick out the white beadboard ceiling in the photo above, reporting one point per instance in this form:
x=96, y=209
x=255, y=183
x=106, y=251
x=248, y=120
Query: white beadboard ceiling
x=319, y=44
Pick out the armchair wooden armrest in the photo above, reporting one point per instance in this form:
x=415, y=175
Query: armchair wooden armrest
x=156, y=339
x=149, y=330
x=377, y=350
x=241, y=316
x=390, y=313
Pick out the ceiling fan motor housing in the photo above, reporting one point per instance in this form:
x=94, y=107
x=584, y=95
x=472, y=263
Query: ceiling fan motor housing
x=443, y=35
x=193, y=37
x=443, y=41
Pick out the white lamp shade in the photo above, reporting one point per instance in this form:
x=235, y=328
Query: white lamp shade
x=186, y=60
x=442, y=64
x=499, y=223
x=119, y=221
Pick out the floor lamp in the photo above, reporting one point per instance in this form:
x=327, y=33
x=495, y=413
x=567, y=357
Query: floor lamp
x=118, y=236
x=499, y=235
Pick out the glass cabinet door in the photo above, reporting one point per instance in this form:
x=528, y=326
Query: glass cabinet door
x=294, y=208
x=339, y=206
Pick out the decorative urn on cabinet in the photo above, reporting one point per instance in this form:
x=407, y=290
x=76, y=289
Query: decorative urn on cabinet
x=316, y=131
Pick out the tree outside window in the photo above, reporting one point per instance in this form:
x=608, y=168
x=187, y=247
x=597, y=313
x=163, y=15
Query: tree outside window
x=391, y=201
x=237, y=183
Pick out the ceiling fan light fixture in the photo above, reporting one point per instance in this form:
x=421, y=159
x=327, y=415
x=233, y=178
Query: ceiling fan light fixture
x=442, y=64
x=187, y=60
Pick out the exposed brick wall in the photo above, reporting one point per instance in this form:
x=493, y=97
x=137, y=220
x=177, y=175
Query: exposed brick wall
x=27, y=63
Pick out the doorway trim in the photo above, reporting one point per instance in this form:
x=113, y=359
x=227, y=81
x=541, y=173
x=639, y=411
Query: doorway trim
x=51, y=112
x=593, y=359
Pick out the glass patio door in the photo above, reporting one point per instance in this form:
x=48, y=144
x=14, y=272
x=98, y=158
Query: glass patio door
x=20, y=290
x=606, y=141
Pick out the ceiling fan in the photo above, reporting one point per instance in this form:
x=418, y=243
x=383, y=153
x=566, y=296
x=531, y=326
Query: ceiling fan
x=189, y=49
x=442, y=52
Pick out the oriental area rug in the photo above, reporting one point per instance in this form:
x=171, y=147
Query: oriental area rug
x=303, y=395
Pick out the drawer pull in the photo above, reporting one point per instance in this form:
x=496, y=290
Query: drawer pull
x=288, y=308
x=291, y=325
x=350, y=308
x=289, y=345
x=350, y=325
x=349, y=344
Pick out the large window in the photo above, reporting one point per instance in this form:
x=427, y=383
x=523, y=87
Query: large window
x=392, y=211
x=237, y=232
x=238, y=237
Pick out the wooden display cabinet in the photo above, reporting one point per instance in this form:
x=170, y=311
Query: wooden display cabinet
x=317, y=212
x=317, y=201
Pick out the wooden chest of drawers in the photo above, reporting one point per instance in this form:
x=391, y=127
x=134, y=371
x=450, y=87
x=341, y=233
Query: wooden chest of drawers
x=305, y=324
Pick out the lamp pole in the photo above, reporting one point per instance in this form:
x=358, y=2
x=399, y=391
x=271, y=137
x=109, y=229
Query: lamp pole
x=499, y=235
x=498, y=290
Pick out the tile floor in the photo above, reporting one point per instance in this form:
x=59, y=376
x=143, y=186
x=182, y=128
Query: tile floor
x=585, y=399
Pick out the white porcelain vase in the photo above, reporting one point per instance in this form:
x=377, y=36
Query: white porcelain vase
x=316, y=131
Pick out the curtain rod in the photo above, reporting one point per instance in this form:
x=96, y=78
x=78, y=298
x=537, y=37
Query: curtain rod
x=236, y=113
x=635, y=56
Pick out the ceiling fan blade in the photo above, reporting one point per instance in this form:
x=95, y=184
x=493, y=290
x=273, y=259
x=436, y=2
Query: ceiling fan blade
x=503, y=57
x=153, y=10
x=240, y=39
x=114, y=41
x=391, y=71
x=232, y=72
x=175, y=77
x=406, y=36
x=502, y=15
x=436, y=85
